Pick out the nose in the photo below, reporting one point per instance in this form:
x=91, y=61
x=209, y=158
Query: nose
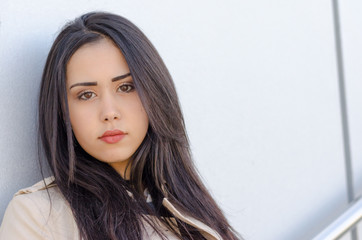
x=109, y=109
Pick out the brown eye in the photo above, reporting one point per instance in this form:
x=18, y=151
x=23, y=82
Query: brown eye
x=127, y=87
x=86, y=95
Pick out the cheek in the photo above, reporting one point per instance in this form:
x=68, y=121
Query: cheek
x=144, y=122
x=138, y=114
x=81, y=122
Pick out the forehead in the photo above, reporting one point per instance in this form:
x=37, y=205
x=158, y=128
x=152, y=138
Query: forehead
x=96, y=60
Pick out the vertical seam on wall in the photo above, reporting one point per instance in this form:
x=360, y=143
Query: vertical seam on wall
x=344, y=112
x=343, y=102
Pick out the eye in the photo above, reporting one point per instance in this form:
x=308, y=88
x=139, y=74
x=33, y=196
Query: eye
x=86, y=95
x=126, y=87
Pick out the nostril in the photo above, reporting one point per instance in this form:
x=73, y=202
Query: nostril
x=111, y=116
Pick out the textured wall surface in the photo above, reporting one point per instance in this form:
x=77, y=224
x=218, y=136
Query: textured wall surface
x=258, y=84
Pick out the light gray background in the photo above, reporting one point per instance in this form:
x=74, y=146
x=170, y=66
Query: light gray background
x=258, y=84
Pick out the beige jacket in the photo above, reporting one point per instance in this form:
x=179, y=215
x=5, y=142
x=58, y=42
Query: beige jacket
x=28, y=216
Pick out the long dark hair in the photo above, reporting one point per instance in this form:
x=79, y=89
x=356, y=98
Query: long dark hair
x=97, y=194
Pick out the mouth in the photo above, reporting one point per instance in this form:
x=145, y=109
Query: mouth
x=112, y=136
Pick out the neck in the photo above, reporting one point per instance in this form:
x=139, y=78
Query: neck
x=122, y=169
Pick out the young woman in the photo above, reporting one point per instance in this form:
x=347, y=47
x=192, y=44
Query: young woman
x=113, y=133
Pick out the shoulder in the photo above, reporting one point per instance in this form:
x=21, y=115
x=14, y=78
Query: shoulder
x=37, y=211
x=39, y=186
x=205, y=230
x=43, y=195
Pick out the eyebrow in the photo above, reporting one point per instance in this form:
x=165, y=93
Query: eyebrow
x=95, y=83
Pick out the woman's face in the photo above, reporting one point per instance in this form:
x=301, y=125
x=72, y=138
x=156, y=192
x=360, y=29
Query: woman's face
x=106, y=114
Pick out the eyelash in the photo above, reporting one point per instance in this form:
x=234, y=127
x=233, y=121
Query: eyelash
x=129, y=85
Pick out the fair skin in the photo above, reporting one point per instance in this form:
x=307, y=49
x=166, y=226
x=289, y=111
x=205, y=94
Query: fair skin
x=101, y=98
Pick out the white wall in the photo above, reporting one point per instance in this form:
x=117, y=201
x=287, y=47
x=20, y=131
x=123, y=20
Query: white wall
x=259, y=89
x=351, y=20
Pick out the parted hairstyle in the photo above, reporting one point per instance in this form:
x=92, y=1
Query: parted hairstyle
x=97, y=194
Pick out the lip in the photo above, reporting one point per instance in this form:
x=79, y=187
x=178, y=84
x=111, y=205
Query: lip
x=112, y=136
